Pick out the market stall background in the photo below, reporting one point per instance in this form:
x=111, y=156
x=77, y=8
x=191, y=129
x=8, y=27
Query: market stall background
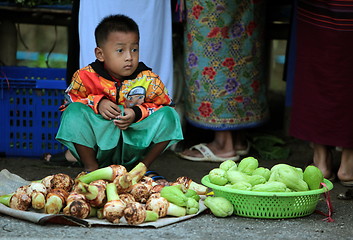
x=204, y=225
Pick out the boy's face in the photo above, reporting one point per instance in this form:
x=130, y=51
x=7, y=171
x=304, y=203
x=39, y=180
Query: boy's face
x=120, y=53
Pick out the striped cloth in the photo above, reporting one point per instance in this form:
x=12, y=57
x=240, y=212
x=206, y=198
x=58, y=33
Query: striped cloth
x=335, y=15
x=323, y=77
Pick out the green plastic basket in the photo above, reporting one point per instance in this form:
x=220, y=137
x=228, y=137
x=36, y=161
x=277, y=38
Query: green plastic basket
x=273, y=205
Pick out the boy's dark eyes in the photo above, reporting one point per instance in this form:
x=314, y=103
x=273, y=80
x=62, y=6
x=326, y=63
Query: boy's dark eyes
x=132, y=50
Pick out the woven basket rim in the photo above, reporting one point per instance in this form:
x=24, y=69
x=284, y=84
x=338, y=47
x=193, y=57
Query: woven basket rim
x=205, y=181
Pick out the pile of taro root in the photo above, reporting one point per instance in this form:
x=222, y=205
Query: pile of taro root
x=110, y=193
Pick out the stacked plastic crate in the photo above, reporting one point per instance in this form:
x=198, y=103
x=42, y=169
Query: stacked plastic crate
x=30, y=99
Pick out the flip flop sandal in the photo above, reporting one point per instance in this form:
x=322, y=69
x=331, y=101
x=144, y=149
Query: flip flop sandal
x=347, y=183
x=348, y=195
x=58, y=159
x=155, y=176
x=207, y=155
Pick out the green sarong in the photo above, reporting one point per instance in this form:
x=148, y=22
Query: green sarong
x=79, y=124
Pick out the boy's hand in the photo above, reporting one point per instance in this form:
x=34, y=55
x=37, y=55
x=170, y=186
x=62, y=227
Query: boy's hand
x=125, y=120
x=108, y=109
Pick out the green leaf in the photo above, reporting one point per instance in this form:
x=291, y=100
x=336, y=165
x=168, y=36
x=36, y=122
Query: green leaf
x=241, y=112
x=210, y=6
x=270, y=139
x=219, y=110
x=194, y=77
x=206, y=86
x=220, y=22
x=270, y=147
x=246, y=74
x=199, y=37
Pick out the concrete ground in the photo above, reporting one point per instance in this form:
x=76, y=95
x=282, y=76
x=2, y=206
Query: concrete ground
x=205, y=225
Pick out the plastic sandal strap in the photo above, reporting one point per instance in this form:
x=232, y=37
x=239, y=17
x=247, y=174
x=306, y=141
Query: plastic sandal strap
x=150, y=172
x=157, y=178
x=205, y=151
x=156, y=175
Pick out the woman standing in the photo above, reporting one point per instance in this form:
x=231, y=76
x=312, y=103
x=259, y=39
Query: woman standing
x=323, y=83
x=225, y=74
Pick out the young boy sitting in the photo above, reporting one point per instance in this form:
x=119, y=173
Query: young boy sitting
x=118, y=111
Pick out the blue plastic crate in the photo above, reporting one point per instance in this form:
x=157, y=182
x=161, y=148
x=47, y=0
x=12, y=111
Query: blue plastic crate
x=29, y=99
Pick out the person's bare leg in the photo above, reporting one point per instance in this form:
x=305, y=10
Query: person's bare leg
x=155, y=151
x=345, y=172
x=69, y=157
x=222, y=146
x=323, y=159
x=152, y=155
x=240, y=140
x=87, y=156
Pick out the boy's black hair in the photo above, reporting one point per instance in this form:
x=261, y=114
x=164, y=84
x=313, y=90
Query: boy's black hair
x=114, y=23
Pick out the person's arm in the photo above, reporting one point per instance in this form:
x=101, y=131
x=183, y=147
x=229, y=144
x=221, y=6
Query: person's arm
x=78, y=92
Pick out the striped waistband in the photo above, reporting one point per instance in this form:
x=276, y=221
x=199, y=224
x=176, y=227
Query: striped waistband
x=331, y=14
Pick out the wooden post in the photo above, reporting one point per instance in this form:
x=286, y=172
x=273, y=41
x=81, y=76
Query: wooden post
x=8, y=43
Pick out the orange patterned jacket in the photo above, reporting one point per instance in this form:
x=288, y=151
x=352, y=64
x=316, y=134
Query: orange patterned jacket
x=143, y=91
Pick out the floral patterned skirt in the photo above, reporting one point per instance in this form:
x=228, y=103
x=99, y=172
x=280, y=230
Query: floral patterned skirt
x=224, y=64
